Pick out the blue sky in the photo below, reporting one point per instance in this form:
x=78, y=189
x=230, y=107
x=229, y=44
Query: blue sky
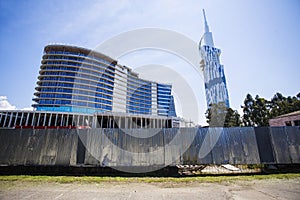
x=259, y=40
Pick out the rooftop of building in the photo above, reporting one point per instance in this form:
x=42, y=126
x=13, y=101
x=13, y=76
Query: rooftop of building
x=84, y=50
x=295, y=113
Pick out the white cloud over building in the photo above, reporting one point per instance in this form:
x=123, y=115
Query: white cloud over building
x=5, y=104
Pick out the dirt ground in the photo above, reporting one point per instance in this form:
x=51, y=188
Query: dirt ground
x=258, y=189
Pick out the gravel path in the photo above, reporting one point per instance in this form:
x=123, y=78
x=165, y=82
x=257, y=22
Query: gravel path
x=259, y=189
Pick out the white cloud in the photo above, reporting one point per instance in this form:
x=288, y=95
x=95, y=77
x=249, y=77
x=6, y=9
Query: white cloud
x=5, y=105
x=29, y=108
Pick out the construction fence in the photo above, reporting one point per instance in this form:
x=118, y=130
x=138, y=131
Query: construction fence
x=149, y=147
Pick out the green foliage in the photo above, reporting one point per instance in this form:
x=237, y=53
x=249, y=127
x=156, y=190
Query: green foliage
x=233, y=118
x=218, y=115
x=248, y=110
x=280, y=105
x=4, y=180
x=258, y=111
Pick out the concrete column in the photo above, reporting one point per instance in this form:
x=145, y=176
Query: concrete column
x=10, y=119
x=15, y=119
x=77, y=124
x=49, y=122
x=27, y=118
x=55, y=123
x=61, y=119
x=45, y=117
x=101, y=122
x=126, y=123
x=120, y=122
x=1, y=116
x=134, y=125
x=38, y=121
x=33, y=119
x=5, y=119
x=21, y=121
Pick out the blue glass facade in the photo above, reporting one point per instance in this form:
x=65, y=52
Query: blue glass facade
x=138, y=96
x=165, y=101
x=214, y=77
x=172, y=111
x=74, y=79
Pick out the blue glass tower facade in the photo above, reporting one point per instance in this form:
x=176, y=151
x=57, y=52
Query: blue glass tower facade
x=214, y=77
x=165, y=101
x=139, y=99
x=75, y=79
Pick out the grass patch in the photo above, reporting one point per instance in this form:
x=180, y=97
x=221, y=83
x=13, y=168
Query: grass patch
x=95, y=179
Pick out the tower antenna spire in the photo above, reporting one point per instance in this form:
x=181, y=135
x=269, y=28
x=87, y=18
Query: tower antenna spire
x=206, y=28
x=207, y=37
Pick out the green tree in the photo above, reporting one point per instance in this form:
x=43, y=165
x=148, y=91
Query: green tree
x=261, y=111
x=256, y=111
x=276, y=104
x=248, y=109
x=218, y=115
x=232, y=118
x=280, y=105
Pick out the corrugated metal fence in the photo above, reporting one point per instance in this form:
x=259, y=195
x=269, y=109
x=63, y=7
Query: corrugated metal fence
x=150, y=147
